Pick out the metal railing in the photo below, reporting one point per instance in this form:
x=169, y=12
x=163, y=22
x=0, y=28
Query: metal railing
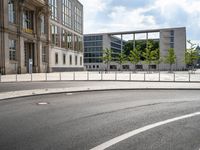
x=104, y=76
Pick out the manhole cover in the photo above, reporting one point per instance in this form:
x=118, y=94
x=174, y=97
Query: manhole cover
x=42, y=103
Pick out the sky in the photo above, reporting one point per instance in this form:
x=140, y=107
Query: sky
x=128, y=15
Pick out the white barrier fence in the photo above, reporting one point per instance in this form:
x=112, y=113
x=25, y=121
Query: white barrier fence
x=105, y=76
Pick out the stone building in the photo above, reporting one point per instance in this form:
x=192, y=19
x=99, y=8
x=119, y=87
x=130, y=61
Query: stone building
x=24, y=36
x=66, y=34
x=40, y=36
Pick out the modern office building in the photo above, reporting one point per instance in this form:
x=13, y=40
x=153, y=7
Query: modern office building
x=167, y=38
x=40, y=36
x=24, y=36
x=94, y=44
x=66, y=34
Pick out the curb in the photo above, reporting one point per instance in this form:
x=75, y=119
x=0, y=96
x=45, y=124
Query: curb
x=40, y=92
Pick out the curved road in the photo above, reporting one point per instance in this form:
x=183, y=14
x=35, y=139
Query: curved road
x=82, y=121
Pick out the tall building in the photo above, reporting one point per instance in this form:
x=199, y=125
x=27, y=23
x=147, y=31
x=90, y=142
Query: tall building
x=66, y=34
x=166, y=38
x=24, y=36
x=40, y=36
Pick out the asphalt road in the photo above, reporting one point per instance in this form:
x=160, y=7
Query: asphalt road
x=82, y=121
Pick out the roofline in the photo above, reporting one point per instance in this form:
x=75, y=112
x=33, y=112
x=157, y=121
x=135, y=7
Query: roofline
x=136, y=31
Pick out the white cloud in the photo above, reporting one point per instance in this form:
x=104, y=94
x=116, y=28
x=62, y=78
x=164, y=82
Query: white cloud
x=167, y=13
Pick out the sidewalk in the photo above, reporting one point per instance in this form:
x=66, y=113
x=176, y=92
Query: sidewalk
x=105, y=87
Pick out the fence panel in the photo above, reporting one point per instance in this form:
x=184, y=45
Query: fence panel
x=94, y=75
x=123, y=76
x=8, y=78
x=109, y=76
x=67, y=76
x=80, y=76
x=195, y=77
x=38, y=76
x=137, y=76
x=24, y=77
x=166, y=77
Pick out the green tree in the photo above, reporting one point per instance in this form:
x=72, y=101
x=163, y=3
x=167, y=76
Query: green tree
x=170, y=58
x=134, y=57
x=107, y=57
x=159, y=59
x=191, y=55
x=121, y=59
x=149, y=54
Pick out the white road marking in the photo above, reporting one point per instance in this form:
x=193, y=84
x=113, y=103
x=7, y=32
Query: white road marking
x=140, y=130
x=69, y=94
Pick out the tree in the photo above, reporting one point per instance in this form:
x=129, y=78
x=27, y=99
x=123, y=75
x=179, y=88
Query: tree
x=170, y=58
x=191, y=55
x=149, y=54
x=107, y=57
x=134, y=57
x=121, y=59
x=159, y=59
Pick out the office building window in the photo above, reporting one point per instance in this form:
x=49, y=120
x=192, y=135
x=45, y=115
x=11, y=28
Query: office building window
x=54, y=9
x=70, y=59
x=44, y=54
x=76, y=61
x=67, y=13
x=78, y=20
x=11, y=11
x=56, y=58
x=55, y=35
x=42, y=24
x=12, y=49
x=64, y=59
x=69, y=40
x=28, y=21
x=81, y=60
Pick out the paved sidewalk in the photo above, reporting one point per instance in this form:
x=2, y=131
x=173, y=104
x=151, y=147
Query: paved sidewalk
x=104, y=86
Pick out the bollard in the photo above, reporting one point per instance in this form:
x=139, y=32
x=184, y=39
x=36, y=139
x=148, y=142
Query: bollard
x=189, y=77
x=60, y=76
x=174, y=77
x=31, y=77
x=87, y=75
x=46, y=76
x=74, y=76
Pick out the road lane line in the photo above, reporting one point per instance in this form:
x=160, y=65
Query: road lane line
x=140, y=130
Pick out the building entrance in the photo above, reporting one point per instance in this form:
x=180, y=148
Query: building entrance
x=29, y=56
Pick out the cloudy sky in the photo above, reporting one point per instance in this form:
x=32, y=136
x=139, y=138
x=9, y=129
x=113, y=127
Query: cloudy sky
x=125, y=15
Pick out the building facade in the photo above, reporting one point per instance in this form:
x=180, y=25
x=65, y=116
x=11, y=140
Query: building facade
x=40, y=36
x=167, y=38
x=94, y=44
x=66, y=34
x=24, y=36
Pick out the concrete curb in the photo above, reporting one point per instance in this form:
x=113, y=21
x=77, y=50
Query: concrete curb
x=37, y=92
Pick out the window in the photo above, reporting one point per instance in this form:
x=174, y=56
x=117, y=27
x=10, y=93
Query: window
x=81, y=60
x=56, y=58
x=44, y=54
x=78, y=20
x=12, y=49
x=42, y=24
x=69, y=40
x=55, y=35
x=28, y=21
x=64, y=59
x=70, y=59
x=11, y=11
x=54, y=9
x=75, y=60
x=67, y=13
